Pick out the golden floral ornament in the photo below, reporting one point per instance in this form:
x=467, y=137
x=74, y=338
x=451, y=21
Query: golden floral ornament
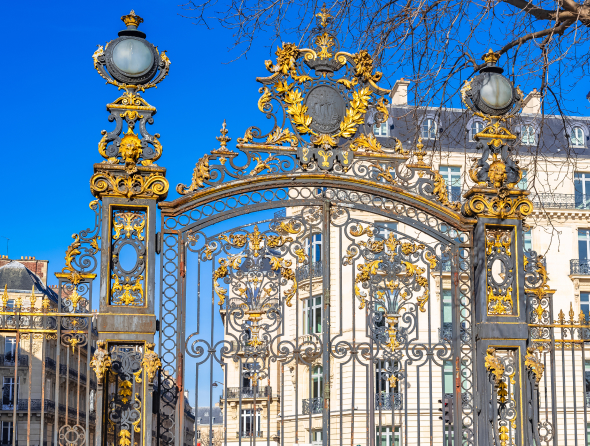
x=101, y=361
x=506, y=204
x=534, y=365
x=493, y=364
x=324, y=16
x=442, y=193
x=200, y=175
x=363, y=63
x=153, y=185
x=150, y=362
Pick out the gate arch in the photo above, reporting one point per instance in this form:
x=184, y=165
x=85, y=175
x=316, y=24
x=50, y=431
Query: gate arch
x=283, y=378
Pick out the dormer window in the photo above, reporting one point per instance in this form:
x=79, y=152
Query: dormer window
x=428, y=129
x=577, y=137
x=380, y=129
x=476, y=127
x=527, y=135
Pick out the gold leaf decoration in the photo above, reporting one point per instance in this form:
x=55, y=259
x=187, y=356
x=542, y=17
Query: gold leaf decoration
x=200, y=175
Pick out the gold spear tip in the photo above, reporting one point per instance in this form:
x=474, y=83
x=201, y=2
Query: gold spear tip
x=491, y=57
x=132, y=19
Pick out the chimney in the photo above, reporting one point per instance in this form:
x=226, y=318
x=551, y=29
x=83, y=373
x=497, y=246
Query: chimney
x=532, y=103
x=399, y=92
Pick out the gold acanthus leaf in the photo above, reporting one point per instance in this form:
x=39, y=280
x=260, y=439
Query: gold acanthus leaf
x=493, y=364
x=533, y=364
x=367, y=142
x=262, y=165
x=442, y=193
x=279, y=136
x=359, y=230
x=264, y=99
x=101, y=361
x=200, y=175
x=150, y=362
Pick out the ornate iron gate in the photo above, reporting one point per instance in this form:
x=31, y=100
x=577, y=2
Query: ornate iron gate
x=317, y=285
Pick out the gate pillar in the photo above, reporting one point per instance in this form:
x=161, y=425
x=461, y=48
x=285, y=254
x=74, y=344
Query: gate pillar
x=504, y=410
x=129, y=184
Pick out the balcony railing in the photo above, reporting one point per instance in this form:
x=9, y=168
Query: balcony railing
x=562, y=201
x=247, y=392
x=281, y=213
x=250, y=434
x=580, y=266
x=304, y=271
x=388, y=401
x=444, y=267
x=313, y=406
x=8, y=360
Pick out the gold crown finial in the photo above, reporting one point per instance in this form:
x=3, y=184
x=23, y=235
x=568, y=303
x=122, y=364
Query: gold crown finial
x=132, y=19
x=491, y=57
x=324, y=15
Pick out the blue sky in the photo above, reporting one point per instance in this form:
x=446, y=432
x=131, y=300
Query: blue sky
x=54, y=109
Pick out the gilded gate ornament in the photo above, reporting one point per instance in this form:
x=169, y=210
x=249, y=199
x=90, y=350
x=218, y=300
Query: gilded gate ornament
x=150, y=362
x=101, y=361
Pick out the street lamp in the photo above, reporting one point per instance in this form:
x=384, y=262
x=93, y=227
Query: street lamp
x=130, y=60
x=490, y=92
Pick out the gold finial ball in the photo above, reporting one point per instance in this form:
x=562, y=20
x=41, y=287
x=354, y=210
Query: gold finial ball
x=491, y=57
x=132, y=19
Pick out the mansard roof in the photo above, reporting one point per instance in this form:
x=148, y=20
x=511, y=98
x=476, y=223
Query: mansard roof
x=18, y=278
x=454, y=126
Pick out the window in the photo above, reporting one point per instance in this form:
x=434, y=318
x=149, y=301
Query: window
x=10, y=348
x=248, y=370
x=448, y=377
x=582, y=186
x=585, y=307
x=382, y=374
x=385, y=436
x=317, y=381
x=527, y=135
x=250, y=423
x=315, y=252
x=385, y=228
x=316, y=437
x=583, y=244
x=428, y=129
x=447, y=311
x=523, y=183
x=476, y=127
x=312, y=315
x=7, y=432
x=452, y=177
x=577, y=138
x=528, y=240
x=9, y=393
x=380, y=129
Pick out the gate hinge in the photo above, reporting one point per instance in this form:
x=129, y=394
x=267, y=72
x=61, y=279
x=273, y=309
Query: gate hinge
x=158, y=242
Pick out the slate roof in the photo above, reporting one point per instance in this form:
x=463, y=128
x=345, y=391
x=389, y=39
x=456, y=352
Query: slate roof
x=454, y=126
x=205, y=413
x=17, y=277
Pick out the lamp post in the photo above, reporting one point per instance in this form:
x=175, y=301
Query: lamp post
x=501, y=322
x=129, y=184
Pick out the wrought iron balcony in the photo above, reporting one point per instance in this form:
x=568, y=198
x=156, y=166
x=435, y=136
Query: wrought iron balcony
x=388, y=401
x=445, y=333
x=444, y=267
x=280, y=213
x=313, y=406
x=8, y=360
x=247, y=392
x=304, y=271
x=562, y=201
x=250, y=434
x=580, y=266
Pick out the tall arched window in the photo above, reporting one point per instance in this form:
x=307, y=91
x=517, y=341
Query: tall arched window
x=428, y=129
x=476, y=127
x=577, y=138
x=527, y=135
